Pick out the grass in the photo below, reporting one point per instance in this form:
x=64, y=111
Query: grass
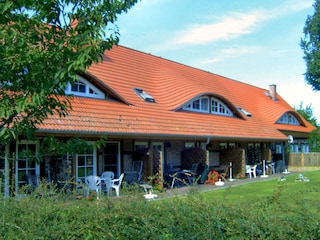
x=288, y=191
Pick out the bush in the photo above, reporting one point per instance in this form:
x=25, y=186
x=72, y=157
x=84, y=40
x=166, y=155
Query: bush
x=187, y=217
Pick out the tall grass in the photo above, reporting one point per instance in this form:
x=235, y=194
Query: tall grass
x=262, y=210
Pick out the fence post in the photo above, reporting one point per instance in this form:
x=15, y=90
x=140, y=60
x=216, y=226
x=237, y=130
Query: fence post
x=302, y=159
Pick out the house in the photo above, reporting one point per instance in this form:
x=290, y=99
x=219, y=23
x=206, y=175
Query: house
x=167, y=114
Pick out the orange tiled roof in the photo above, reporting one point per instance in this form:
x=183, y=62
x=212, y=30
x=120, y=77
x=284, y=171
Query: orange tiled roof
x=172, y=85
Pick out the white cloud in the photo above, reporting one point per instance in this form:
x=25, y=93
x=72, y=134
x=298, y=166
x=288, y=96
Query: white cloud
x=227, y=53
x=229, y=27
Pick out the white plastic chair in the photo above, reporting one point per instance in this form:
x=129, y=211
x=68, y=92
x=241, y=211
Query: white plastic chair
x=116, y=184
x=271, y=166
x=106, y=177
x=94, y=183
x=251, y=170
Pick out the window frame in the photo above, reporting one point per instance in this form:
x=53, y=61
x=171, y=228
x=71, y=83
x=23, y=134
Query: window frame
x=89, y=89
x=207, y=104
x=289, y=118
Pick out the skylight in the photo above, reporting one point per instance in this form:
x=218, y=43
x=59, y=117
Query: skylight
x=244, y=112
x=145, y=96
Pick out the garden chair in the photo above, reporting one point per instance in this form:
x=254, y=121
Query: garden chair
x=135, y=175
x=251, y=170
x=94, y=184
x=193, y=173
x=106, y=177
x=225, y=174
x=116, y=184
x=137, y=167
x=33, y=181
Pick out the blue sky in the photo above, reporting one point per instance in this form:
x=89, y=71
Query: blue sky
x=252, y=41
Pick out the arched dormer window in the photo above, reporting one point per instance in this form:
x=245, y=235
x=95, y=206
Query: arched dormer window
x=208, y=104
x=82, y=87
x=288, y=118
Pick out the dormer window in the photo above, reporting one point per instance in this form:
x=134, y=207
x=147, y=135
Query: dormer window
x=82, y=87
x=208, y=104
x=288, y=118
x=145, y=96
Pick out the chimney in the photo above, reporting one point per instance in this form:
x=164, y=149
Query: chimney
x=273, y=92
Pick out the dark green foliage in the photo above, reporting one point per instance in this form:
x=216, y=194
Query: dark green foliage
x=307, y=113
x=290, y=211
x=311, y=47
x=43, y=46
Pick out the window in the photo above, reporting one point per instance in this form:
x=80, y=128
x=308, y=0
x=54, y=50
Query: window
x=218, y=107
x=26, y=164
x=86, y=162
x=111, y=157
x=78, y=86
x=288, y=118
x=199, y=105
x=140, y=145
x=84, y=88
x=202, y=104
x=278, y=148
x=223, y=146
x=188, y=145
x=244, y=112
x=145, y=96
x=305, y=148
x=294, y=148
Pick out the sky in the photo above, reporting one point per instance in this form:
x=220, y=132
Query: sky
x=252, y=41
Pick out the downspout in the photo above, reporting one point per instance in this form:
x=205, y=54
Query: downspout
x=207, y=152
x=208, y=141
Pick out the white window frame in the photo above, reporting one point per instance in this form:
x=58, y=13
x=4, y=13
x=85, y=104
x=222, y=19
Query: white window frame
x=206, y=104
x=288, y=118
x=93, y=164
x=220, y=108
x=27, y=168
x=294, y=148
x=200, y=104
x=305, y=148
x=90, y=90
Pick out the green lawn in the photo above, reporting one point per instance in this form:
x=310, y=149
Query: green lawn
x=293, y=193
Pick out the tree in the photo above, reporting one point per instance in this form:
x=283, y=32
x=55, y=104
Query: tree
x=311, y=47
x=314, y=138
x=43, y=45
x=307, y=113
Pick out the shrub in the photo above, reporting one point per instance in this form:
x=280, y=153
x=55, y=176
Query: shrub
x=289, y=212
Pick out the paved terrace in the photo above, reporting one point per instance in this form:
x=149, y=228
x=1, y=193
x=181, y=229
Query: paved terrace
x=209, y=187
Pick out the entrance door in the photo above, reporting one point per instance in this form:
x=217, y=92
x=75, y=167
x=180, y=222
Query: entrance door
x=26, y=164
x=158, y=162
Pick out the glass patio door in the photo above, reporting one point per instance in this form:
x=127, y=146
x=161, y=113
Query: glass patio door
x=86, y=163
x=26, y=164
x=111, y=158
